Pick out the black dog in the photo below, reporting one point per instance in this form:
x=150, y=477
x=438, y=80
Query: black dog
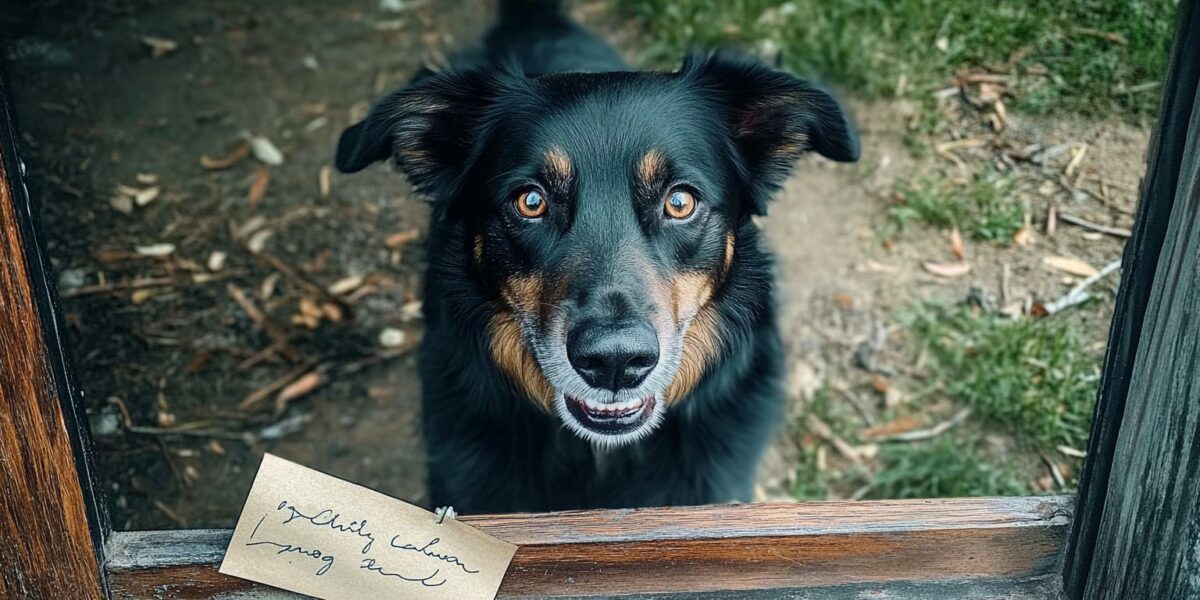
x=598, y=304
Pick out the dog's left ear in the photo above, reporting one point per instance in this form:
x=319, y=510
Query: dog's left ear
x=773, y=117
x=428, y=129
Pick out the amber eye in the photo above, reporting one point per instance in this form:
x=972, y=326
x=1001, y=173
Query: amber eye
x=531, y=204
x=679, y=204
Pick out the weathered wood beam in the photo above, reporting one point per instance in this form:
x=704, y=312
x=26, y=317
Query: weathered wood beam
x=949, y=548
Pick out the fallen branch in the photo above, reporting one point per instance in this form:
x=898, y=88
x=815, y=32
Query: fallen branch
x=820, y=429
x=919, y=435
x=1086, y=224
x=1079, y=294
x=266, y=391
x=277, y=334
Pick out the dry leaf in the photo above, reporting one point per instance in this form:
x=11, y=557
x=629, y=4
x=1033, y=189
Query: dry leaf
x=844, y=300
x=332, y=311
x=216, y=448
x=309, y=308
x=233, y=157
x=900, y=425
x=265, y=151
x=1070, y=265
x=346, y=285
x=147, y=178
x=156, y=249
x=258, y=189
x=323, y=179
x=401, y=238
x=880, y=384
x=300, y=387
x=956, y=244
x=1022, y=236
x=159, y=47
x=947, y=269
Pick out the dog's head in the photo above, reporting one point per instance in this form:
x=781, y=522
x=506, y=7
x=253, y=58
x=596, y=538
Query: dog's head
x=601, y=214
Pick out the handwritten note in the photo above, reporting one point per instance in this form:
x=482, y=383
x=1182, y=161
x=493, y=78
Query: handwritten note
x=308, y=532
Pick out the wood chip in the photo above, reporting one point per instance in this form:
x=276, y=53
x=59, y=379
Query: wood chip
x=122, y=204
x=146, y=196
x=265, y=151
x=1072, y=452
x=216, y=260
x=1069, y=264
x=948, y=270
x=156, y=250
x=346, y=285
x=159, y=47
x=402, y=238
x=258, y=242
x=147, y=178
x=391, y=337
x=258, y=189
x=323, y=181
x=231, y=158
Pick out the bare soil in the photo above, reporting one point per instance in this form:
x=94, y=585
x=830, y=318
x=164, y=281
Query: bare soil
x=165, y=366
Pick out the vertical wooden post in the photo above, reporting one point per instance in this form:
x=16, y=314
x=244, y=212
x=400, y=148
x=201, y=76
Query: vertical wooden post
x=1137, y=527
x=51, y=526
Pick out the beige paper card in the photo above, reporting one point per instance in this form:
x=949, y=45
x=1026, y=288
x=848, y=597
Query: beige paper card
x=308, y=532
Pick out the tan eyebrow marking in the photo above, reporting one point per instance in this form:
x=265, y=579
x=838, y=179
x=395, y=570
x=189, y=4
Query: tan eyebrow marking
x=650, y=167
x=558, y=164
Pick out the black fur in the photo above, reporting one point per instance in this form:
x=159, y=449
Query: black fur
x=467, y=138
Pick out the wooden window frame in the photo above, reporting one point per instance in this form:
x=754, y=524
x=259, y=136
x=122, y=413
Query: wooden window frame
x=1133, y=530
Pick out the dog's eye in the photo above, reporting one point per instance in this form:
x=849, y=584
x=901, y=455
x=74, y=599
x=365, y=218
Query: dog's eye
x=680, y=204
x=531, y=204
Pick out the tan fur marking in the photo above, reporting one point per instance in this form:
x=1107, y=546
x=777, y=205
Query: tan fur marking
x=701, y=345
x=729, y=244
x=514, y=359
x=558, y=164
x=524, y=293
x=478, y=250
x=689, y=292
x=649, y=169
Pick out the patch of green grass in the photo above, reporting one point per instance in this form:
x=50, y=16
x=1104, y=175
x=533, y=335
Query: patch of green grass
x=942, y=468
x=1033, y=376
x=985, y=209
x=1095, y=56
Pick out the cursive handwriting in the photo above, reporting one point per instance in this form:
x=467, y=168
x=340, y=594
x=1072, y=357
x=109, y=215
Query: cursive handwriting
x=371, y=565
x=327, y=559
x=327, y=518
x=449, y=558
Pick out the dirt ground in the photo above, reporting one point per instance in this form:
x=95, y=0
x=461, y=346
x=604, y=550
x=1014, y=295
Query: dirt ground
x=314, y=298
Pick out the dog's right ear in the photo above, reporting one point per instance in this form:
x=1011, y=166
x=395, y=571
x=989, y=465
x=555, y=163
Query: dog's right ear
x=429, y=130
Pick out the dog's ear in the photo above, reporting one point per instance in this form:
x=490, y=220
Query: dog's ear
x=772, y=117
x=428, y=129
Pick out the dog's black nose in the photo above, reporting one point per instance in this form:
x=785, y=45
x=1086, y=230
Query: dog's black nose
x=613, y=357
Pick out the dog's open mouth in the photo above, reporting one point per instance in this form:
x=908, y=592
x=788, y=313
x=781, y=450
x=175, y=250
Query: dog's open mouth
x=617, y=418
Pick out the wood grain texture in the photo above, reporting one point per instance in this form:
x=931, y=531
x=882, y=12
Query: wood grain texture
x=966, y=548
x=1136, y=531
x=46, y=542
